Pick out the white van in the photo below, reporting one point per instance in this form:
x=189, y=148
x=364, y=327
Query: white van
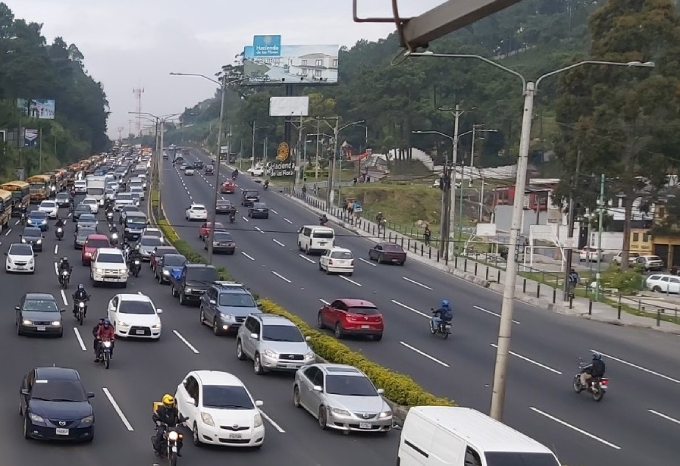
x=80, y=186
x=446, y=436
x=315, y=238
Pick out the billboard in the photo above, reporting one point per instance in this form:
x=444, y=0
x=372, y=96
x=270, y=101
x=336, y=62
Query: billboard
x=42, y=109
x=289, y=106
x=267, y=46
x=295, y=64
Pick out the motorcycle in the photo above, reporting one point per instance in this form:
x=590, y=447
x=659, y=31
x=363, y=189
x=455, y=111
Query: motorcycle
x=64, y=278
x=232, y=216
x=109, y=217
x=81, y=307
x=105, y=352
x=597, y=386
x=23, y=218
x=59, y=233
x=114, y=238
x=266, y=185
x=323, y=221
x=443, y=328
x=169, y=448
x=136, y=267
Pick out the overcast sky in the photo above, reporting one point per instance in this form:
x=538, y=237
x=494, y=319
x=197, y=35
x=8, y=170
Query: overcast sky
x=131, y=44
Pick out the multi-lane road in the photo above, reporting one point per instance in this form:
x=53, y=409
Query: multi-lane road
x=638, y=420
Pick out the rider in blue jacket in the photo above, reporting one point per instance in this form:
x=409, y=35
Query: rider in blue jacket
x=443, y=314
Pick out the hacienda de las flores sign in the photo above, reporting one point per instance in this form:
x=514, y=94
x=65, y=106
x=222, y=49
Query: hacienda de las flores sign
x=283, y=165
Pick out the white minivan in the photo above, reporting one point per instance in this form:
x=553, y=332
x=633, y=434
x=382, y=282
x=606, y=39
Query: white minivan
x=443, y=436
x=315, y=238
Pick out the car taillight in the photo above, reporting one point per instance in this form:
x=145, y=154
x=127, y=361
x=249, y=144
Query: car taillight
x=330, y=261
x=351, y=262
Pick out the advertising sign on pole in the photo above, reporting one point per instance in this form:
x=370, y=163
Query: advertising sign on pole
x=42, y=109
x=295, y=64
x=267, y=46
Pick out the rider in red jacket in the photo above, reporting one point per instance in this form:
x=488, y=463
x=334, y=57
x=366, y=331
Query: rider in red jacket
x=106, y=333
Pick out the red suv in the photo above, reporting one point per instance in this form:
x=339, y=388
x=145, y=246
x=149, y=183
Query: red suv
x=352, y=317
x=92, y=243
x=228, y=187
x=204, y=231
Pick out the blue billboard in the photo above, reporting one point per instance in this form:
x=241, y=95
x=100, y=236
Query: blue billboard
x=267, y=46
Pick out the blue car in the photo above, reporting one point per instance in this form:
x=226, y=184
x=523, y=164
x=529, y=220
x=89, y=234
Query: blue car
x=38, y=220
x=55, y=405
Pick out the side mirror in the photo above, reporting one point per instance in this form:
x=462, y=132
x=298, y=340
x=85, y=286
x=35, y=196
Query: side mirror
x=259, y=403
x=308, y=338
x=62, y=310
x=254, y=336
x=317, y=388
x=380, y=391
x=5, y=253
x=17, y=308
x=25, y=392
x=191, y=401
x=212, y=302
x=258, y=304
x=89, y=395
x=159, y=311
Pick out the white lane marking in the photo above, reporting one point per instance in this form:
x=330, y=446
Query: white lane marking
x=423, y=353
x=635, y=366
x=56, y=270
x=524, y=358
x=492, y=313
x=349, y=280
x=56, y=249
x=274, y=211
x=116, y=408
x=416, y=283
x=580, y=431
x=276, y=426
x=63, y=297
x=245, y=219
x=258, y=229
x=666, y=417
x=281, y=277
x=408, y=308
x=287, y=220
x=324, y=302
x=17, y=222
x=306, y=258
x=68, y=215
x=367, y=262
x=8, y=232
x=80, y=339
x=185, y=341
x=247, y=256
x=279, y=242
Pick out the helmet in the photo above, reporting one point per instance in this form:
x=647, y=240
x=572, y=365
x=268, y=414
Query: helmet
x=168, y=400
x=81, y=287
x=445, y=303
x=597, y=356
x=107, y=322
x=65, y=259
x=137, y=248
x=102, y=320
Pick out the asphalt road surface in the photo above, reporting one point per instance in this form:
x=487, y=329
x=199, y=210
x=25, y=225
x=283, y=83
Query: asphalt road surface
x=141, y=372
x=638, y=420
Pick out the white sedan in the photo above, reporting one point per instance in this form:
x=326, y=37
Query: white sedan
x=92, y=203
x=189, y=171
x=220, y=410
x=337, y=260
x=20, y=258
x=196, y=212
x=256, y=171
x=134, y=315
x=50, y=208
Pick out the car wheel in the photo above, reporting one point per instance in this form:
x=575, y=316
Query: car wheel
x=257, y=365
x=337, y=330
x=320, y=268
x=182, y=298
x=160, y=279
x=657, y=289
x=296, y=396
x=379, y=259
x=322, y=418
x=216, y=328
x=349, y=274
x=307, y=250
x=319, y=321
x=172, y=291
x=240, y=355
x=377, y=337
x=26, y=429
x=201, y=316
x=19, y=332
x=195, y=435
x=61, y=334
x=328, y=271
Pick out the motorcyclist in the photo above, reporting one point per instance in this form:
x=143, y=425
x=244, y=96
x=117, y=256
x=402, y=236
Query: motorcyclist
x=168, y=415
x=24, y=213
x=234, y=174
x=60, y=223
x=105, y=333
x=134, y=255
x=323, y=220
x=80, y=295
x=443, y=314
x=595, y=369
x=266, y=184
x=95, y=331
x=64, y=265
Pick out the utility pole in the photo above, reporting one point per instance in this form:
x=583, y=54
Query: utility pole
x=252, y=148
x=452, y=193
x=331, y=168
x=213, y=210
x=601, y=206
x=299, y=170
x=570, y=228
x=318, y=135
x=444, y=237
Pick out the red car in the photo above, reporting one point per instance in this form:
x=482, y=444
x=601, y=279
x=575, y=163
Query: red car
x=228, y=187
x=204, y=231
x=352, y=317
x=92, y=243
x=391, y=253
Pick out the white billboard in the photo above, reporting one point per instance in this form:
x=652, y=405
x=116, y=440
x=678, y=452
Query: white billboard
x=289, y=106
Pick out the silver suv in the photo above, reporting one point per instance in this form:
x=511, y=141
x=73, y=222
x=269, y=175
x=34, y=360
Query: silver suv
x=274, y=343
x=225, y=306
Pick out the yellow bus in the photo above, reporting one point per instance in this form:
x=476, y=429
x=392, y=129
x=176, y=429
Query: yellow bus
x=40, y=185
x=21, y=195
x=5, y=208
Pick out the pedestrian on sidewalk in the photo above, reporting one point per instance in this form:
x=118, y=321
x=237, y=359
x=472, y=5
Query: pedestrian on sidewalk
x=573, y=281
x=304, y=191
x=380, y=220
x=427, y=235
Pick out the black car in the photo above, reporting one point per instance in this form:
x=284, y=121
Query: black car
x=198, y=165
x=55, y=405
x=209, y=170
x=39, y=314
x=258, y=210
x=165, y=264
x=80, y=209
x=222, y=242
x=81, y=235
x=63, y=199
x=224, y=206
x=249, y=197
x=34, y=237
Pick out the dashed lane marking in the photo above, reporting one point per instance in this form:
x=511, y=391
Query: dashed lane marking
x=287, y=220
x=574, y=428
x=492, y=313
x=367, y=262
x=408, y=308
x=531, y=361
x=307, y=259
x=80, y=339
x=416, y=283
x=116, y=408
x=349, y=280
x=281, y=277
x=423, y=353
x=278, y=242
x=249, y=257
x=185, y=341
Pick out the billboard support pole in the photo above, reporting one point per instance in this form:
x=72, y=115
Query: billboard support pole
x=299, y=172
x=287, y=125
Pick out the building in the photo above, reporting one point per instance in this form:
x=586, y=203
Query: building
x=660, y=240
x=315, y=66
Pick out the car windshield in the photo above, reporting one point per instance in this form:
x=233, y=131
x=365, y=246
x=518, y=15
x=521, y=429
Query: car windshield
x=20, y=250
x=111, y=258
x=341, y=255
x=130, y=208
x=151, y=241
x=174, y=260
x=349, y=385
x=124, y=197
x=62, y=196
x=83, y=233
x=89, y=201
x=136, y=221
x=251, y=194
x=392, y=247
x=203, y=274
x=224, y=203
x=41, y=305
x=88, y=218
x=136, y=307
x=226, y=397
x=48, y=205
x=198, y=209
x=236, y=300
x=32, y=232
x=222, y=236
x=98, y=243
x=36, y=214
x=58, y=390
x=82, y=208
x=282, y=333
x=259, y=205
x=363, y=310
x=153, y=233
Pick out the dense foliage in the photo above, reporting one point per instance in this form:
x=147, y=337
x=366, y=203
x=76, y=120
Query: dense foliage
x=32, y=69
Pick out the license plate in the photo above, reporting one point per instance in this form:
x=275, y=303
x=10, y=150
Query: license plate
x=365, y=326
x=20, y=267
x=364, y=425
x=41, y=328
x=235, y=436
x=61, y=431
x=139, y=332
x=322, y=243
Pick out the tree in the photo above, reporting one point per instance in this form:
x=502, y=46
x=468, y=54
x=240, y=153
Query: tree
x=624, y=121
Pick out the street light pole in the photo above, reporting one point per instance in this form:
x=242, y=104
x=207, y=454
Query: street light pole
x=213, y=211
x=452, y=192
x=505, y=329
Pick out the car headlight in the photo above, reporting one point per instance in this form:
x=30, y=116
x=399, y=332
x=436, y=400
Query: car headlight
x=269, y=353
x=122, y=324
x=207, y=419
x=385, y=414
x=87, y=420
x=27, y=322
x=56, y=323
x=36, y=418
x=257, y=420
x=38, y=242
x=165, y=272
x=226, y=317
x=340, y=412
x=44, y=222
x=158, y=325
x=310, y=356
x=98, y=270
x=188, y=290
x=23, y=240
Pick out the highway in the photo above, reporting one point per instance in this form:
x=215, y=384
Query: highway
x=141, y=372
x=642, y=364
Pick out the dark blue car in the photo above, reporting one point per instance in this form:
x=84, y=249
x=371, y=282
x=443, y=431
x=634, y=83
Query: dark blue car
x=55, y=405
x=37, y=219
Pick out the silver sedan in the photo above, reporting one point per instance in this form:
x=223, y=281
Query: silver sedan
x=341, y=397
